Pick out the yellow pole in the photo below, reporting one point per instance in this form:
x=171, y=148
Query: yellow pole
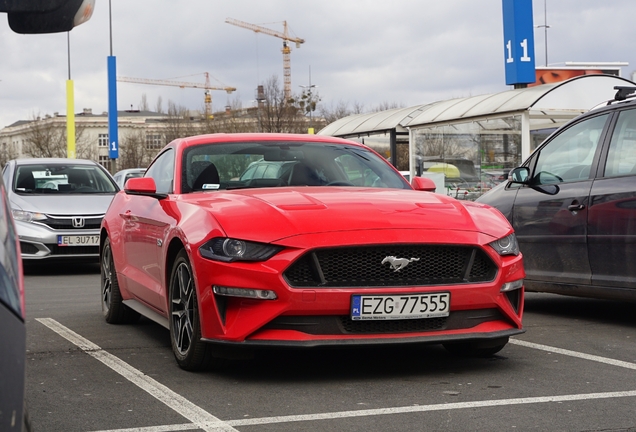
x=70, y=120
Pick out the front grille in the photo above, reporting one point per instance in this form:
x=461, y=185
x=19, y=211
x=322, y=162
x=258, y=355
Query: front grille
x=66, y=222
x=392, y=326
x=344, y=325
x=369, y=266
x=73, y=250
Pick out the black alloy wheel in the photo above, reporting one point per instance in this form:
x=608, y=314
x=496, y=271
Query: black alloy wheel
x=113, y=308
x=185, y=328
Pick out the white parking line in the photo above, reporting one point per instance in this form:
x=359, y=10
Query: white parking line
x=397, y=410
x=599, y=359
x=201, y=419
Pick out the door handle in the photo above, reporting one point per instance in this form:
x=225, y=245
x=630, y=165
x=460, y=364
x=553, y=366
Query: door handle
x=576, y=207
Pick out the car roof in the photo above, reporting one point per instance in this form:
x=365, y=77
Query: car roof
x=130, y=170
x=33, y=161
x=261, y=137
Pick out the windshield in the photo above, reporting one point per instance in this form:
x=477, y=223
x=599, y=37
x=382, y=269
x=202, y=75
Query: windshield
x=275, y=164
x=62, y=179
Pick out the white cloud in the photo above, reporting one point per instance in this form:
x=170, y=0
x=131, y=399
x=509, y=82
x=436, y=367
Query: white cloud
x=405, y=51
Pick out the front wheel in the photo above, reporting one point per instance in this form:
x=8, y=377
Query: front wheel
x=113, y=308
x=185, y=327
x=479, y=349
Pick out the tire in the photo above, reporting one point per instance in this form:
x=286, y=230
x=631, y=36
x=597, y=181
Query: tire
x=476, y=349
x=113, y=308
x=191, y=353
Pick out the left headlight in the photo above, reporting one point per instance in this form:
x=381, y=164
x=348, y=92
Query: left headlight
x=506, y=245
x=26, y=216
x=228, y=250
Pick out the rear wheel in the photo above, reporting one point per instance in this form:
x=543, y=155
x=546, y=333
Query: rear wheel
x=481, y=349
x=185, y=327
x=113, y=308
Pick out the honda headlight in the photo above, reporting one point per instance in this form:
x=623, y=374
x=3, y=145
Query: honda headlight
x=26, y=216
x=228, y=250
x=506, y=245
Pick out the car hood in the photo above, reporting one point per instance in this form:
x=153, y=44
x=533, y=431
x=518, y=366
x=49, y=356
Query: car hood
x=275, y=213
x=93, y=204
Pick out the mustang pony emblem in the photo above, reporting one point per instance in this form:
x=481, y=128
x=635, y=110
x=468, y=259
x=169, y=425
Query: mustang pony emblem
x=398, y=264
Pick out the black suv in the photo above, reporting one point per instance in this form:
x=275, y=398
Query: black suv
x=573, y=205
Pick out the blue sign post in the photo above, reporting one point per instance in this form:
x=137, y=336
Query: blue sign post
x=113, y=138
x=518, y=42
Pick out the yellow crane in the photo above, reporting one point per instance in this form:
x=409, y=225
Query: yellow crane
x=206, y=86
x=286, y=49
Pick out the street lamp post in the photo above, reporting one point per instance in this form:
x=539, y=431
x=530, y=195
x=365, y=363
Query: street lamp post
x=70, y=106
x=113, y=138
x=545, y=27
x=310, y=103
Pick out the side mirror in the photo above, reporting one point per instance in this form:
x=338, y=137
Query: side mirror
x=519, y=175
x=145, y=186
x=50, y=16
x=423, y=184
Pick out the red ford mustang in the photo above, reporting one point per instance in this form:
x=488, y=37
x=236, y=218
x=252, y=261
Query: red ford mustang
x=254, y=240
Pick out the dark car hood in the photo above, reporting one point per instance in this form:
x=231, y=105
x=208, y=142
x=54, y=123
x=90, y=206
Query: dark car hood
x=275, y=213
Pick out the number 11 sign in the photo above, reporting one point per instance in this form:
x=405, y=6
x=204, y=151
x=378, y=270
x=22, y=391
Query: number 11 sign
x=518, y=41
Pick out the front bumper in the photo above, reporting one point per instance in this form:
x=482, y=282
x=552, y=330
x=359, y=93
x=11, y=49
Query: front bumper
x=39, y=242
x=320, y=316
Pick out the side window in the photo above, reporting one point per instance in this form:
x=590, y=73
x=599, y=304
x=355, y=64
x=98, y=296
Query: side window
x=621, y=158
x=260, y=169
x=162, y=171
x=249, y=173
x=357, y=173
x=569, y=156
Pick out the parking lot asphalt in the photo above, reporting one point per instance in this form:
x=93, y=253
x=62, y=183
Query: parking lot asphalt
x=573, y=370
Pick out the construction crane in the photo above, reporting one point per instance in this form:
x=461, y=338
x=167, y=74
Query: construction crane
x=286, y=49
x=206, y=86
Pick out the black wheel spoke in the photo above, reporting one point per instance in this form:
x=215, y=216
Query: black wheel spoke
x=182, y=308
x=106, y=278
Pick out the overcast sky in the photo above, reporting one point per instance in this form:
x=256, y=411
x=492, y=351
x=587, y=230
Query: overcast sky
x=405, y=52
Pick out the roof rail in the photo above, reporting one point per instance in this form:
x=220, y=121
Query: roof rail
x=624, y=92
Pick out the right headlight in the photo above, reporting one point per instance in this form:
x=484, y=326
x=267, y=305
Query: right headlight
x=26, y=216
x=506, y=245
x=229, y=249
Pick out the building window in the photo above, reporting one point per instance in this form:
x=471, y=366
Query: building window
x=105, y=162
x=103, y=140
x=154, y=141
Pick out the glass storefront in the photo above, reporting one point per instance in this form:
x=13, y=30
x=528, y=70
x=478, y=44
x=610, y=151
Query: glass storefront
x=473, y=156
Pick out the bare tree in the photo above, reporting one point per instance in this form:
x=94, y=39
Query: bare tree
x=179, y=123
x=276, y=115
x=159, y=105
x=436, y=144
x=47, y=138
x=331, y=113
x=385, y=106
x=236, y=119
x=44, y=138
x=133, y=151
x=8, y=152
x=143, y=104
x=83, y=148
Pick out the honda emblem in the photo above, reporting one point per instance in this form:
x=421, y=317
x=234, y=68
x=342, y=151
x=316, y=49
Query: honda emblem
x=78, y=222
